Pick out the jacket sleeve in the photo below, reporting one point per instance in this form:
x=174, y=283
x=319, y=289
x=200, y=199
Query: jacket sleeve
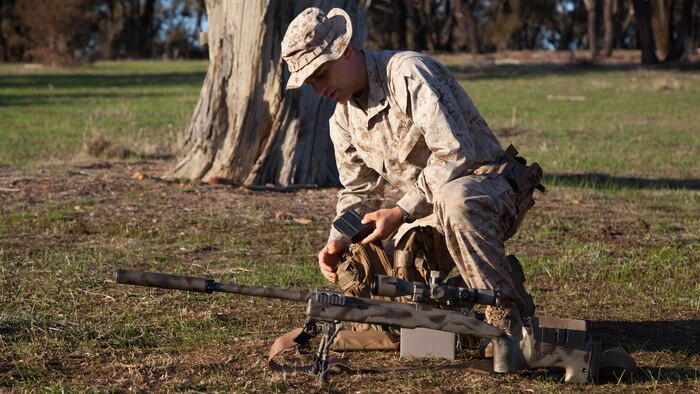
x=363, y=188
x=429, y=103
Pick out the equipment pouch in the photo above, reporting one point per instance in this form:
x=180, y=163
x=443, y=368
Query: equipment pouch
x=355, y=272
x=417, y=253
x=524, y=179
x=365, y=340
x=359, y=265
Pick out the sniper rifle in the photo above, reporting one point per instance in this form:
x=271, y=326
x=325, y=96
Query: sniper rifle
x=548, y=342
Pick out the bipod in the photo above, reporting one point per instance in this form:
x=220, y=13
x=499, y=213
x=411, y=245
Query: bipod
x=329, y=330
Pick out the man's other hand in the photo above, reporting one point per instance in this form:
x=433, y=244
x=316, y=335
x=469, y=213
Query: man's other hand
x=328, y=259
x=386, y=221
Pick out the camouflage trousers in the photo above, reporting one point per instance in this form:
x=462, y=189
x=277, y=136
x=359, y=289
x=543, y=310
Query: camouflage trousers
x=475, y=215
x=472, y=218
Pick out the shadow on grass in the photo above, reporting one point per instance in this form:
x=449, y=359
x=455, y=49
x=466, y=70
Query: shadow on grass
x=45, y=88
x=505, y=71
x=29, y=100
x=677, y=336
x=41, y=89
x=674, y=335
x=602, y=181
x=78, y=80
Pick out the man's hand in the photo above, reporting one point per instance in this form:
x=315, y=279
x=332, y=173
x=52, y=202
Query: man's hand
x=386, y=221
x=328, y=259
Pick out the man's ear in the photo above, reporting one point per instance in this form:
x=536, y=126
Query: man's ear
x=348, y=52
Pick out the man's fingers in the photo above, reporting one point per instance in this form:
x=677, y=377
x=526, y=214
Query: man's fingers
x=327, y=271
x=375, y=235
x=327, y=260
x=332, y=248
x=326, y=266
x=369, y=218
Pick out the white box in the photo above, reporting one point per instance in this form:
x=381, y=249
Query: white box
x=424, y=342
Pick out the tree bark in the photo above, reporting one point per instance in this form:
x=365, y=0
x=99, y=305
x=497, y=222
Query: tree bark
x=246, y=127
x=681, y=25
x=645, y=38
x=467, y=25
x=661, y=27
x=609, y=27
x=146, y=28
x=592, y=41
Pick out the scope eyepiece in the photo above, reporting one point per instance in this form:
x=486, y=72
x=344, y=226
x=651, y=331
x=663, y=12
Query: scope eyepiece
x=374, y=287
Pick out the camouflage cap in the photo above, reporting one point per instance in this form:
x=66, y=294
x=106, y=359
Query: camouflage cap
x=313, y=39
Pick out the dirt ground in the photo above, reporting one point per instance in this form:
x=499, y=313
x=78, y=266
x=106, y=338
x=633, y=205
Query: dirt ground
x=98, y=193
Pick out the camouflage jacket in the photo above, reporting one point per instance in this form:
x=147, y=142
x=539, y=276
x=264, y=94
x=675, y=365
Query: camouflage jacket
x=420, y=130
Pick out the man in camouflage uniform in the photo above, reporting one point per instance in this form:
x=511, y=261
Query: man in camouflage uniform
x=401, y=117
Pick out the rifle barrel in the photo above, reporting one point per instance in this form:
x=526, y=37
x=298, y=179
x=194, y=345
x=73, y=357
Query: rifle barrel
x=262, y=291
x=202, y=285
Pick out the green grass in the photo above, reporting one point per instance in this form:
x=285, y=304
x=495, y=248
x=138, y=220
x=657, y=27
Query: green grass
x=629, y=123
x=614, y=241
x=46, y=113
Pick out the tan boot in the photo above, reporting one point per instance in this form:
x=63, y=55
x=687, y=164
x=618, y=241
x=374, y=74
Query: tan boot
x=507, y=318
x=524, y=301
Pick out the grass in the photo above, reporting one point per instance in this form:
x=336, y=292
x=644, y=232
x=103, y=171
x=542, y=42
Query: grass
x=614, y=241
x=626, y=123
x=46, y=113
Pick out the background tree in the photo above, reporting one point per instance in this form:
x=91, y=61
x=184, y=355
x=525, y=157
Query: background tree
x=608, y=29
x=246, y=127
x=591, y=6
x=387, y=23
x=536, y=31
x=467, y=35
x=182, y=22
x=127, y=29
x=665, y=28
x=13, y=40
x=57, y=31
x=645, y=36
x=79, y=30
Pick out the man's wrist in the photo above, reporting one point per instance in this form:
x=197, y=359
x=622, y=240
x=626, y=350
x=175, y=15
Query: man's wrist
x=405, y=216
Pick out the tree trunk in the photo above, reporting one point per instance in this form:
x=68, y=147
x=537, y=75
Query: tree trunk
x=682, y=13
x=609, y=27
x=592, y=42
x=661, y=27
x=146, y=29
x=645, y=38
x=467, y=26
x=623, y=18
x=246, y=128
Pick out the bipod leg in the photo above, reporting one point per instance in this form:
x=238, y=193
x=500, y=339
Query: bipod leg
x=329, y=329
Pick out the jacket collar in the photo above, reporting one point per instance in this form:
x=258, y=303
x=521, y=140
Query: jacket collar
x=377, y=85
x=376, y=82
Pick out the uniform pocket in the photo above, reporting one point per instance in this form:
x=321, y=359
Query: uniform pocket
x=410, y=142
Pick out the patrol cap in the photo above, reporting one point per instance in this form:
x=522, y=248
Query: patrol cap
x=312, y=39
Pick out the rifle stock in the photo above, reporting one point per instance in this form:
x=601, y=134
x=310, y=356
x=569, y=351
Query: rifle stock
x=396, y=314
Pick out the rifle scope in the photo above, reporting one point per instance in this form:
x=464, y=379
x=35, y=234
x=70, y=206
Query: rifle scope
x=392, y=286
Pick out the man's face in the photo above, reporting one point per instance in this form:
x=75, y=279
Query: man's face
x=333, y=79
